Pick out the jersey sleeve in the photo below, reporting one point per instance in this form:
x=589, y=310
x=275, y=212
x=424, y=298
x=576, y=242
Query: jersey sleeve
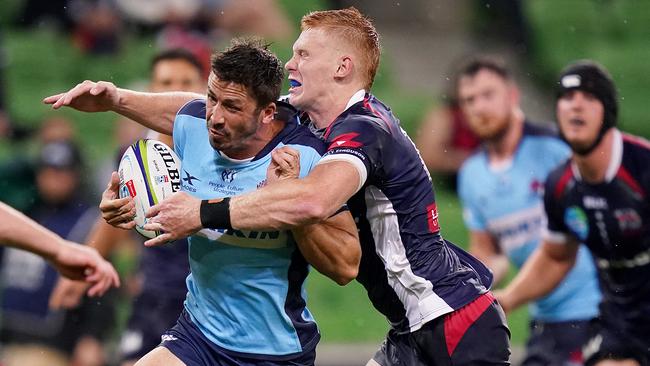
x=361, y=142
x=556, y=230
x=185, y=121
x=472, y=216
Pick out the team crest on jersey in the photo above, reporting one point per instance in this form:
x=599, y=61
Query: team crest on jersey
x=228, y=175
x=576, y=220
x=628, y=220
x=537, y=187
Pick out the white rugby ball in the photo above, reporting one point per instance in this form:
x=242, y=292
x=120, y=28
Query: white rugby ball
x=149, y=172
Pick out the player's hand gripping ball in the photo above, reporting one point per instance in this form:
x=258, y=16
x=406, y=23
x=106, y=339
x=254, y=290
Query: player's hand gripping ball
x=149, y=172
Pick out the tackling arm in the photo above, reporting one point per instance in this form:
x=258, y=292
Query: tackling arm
x=541, y=273
x=296, y=202
x=332, y=247
x=484, y=247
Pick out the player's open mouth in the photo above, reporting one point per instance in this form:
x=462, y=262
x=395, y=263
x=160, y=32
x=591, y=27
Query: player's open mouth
x=294, y=83
x=577, y=122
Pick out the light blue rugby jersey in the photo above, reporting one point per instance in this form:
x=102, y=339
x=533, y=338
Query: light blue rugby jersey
x=245, y=289
x=507, y=203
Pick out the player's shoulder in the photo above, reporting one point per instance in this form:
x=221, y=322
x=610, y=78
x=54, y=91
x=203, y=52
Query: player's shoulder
x=367, y=116
x=559, y=179
x=301, y=135
x=475, y=163
x=193, y=108
x=636, y=145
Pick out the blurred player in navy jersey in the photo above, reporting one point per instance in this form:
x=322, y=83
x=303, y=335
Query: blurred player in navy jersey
x=600, y=198
x=245, y=302
x=162, y=269
x=501, y=189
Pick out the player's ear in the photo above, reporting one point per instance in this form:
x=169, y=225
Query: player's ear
x=268, y=113
x=345, y=66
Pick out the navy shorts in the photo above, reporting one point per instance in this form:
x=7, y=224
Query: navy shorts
x=476, y=334
x=556, y=343
x=606, y=342
x=151, y=315
x=186, y=341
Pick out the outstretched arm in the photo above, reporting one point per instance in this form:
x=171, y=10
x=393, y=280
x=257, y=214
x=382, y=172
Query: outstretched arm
x=71, y=260
x=153, y=110
x=541, y=273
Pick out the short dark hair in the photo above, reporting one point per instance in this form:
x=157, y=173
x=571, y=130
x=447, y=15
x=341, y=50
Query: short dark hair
x=176, y=54
x=249, y=62
x=472, y=66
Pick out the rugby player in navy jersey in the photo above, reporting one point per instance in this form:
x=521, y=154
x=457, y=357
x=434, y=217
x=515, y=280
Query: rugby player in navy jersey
x=600, y=198
x=245, y=302
x=435, y=296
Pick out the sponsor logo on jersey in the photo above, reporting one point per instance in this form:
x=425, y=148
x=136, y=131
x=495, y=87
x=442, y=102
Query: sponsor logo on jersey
x=594, y=203
x=576, y=220
x=189, y=178
x=432, y=218
x=228, y=175
x=345, y=140
x=628, y=219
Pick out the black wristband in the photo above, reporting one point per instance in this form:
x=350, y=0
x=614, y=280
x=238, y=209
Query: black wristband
x=215, y=214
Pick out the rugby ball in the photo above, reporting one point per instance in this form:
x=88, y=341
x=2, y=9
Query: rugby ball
x=149, y=172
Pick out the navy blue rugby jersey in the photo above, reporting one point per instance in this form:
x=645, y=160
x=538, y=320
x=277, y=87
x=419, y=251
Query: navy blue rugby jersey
x=613, y=219
x=411, y=273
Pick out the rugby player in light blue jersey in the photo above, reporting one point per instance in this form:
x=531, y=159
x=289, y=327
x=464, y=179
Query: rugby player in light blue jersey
x=501, y=190
x=246, y=301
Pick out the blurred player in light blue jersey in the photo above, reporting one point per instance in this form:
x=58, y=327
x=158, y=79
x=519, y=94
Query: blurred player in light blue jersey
x=501, y=189
x=246, y=303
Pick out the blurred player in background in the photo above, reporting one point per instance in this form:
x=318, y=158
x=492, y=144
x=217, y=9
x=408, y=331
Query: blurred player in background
x=433, y=293
x=31, y=334
x=445, y=140
x=599, y=197
x=501, y=189
x=245, y=303
x=162, y=269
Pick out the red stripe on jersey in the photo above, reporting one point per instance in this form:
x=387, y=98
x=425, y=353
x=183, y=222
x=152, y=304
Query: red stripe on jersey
x=345, y=140
x=564, y=180
x=625, y=176
x=636, y=140
x=457, y=322
x=366, y=104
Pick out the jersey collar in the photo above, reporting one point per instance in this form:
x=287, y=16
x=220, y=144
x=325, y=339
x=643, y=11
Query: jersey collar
x=356, y=98
x=614, y=162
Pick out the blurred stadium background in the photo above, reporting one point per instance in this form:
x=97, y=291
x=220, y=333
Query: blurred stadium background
x=421, y=39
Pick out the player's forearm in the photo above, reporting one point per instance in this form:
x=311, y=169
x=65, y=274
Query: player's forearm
x=296, y=202
x=332, y=247
x=153, y=110
x=539, y=276
x=499, y=265
x=19, y=231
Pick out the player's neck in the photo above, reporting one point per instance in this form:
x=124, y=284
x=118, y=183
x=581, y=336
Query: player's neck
x=503, y=147
x=331, y=105
x=593, y=167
